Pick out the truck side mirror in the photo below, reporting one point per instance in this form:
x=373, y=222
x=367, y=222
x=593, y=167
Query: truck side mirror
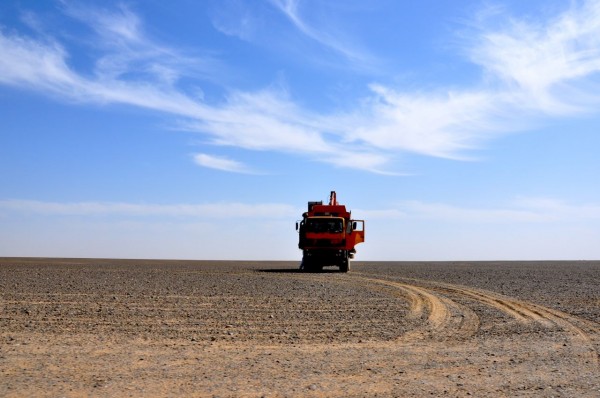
x=354, y=225
x=296, y=225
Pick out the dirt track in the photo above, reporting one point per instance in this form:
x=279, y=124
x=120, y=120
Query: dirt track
x=166, y=328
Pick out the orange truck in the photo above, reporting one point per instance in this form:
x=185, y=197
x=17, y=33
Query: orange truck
x=328, y=235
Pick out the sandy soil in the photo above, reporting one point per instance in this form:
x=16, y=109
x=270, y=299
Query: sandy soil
x=73, y=327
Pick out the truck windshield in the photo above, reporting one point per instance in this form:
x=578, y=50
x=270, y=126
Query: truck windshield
x=329, y=225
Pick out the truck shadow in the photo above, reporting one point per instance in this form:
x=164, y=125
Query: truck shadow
x=298, y=271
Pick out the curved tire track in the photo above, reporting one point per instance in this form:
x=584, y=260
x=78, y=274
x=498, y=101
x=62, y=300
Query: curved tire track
x=445, y=317
x=582, y=333
x=449, y=319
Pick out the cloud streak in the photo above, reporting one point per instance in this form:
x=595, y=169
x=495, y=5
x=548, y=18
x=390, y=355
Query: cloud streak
x=203, y=211
x=320, y=34
x=526, y=210
x=545, y=61
x=549, y=68
x=221, y=163
x=522, y=210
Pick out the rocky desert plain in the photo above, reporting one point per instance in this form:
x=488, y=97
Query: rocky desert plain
x=146, y=328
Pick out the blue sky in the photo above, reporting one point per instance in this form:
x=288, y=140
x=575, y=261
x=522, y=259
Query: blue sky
x=458, y=130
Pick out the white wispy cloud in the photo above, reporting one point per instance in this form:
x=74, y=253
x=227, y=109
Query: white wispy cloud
x=119, y=26
x=321, y=33
x=234, y=18
x=521, y=210
x=207, y=210
x=126, y=52
x=264, y=120
x=446, y=212
x=532, y=69
x=434, y=124
x=304, y=24
x=545, y=61
x=221, y=163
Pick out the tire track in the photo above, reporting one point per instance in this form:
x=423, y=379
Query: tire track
x=445, y=317
x=584, y=335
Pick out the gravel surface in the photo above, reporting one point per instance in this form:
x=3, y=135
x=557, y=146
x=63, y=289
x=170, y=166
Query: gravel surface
x=95, y=327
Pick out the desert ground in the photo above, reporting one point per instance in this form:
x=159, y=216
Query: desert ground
x=104, y=328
